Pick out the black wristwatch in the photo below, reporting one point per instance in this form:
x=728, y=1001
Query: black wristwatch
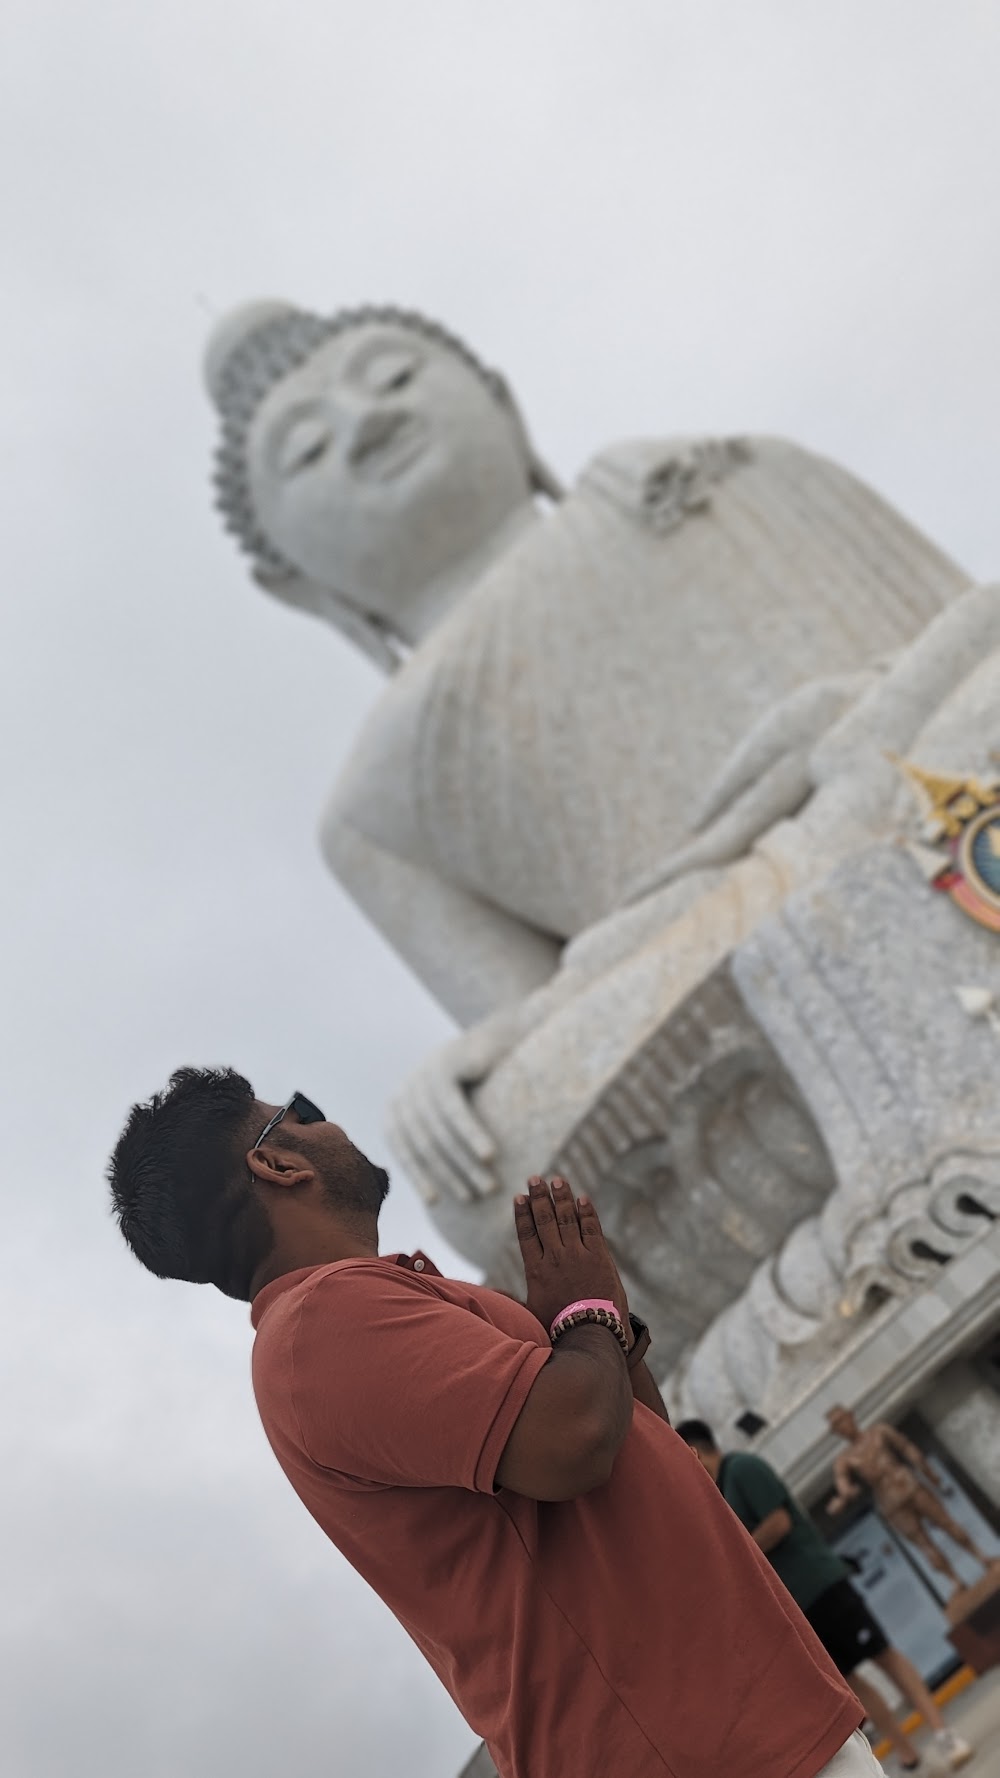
x=640, y=1342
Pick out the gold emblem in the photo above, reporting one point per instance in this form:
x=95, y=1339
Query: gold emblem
x=963, y=818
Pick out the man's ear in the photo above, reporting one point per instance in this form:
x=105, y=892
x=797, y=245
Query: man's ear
x=281, y=1167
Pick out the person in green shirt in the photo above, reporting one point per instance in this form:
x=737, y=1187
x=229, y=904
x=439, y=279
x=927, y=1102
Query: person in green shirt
x=819, y=1582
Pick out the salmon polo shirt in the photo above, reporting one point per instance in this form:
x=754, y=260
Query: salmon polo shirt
x=635, y=1632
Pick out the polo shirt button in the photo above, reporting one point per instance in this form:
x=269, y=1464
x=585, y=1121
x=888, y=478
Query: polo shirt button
x=418, y=1265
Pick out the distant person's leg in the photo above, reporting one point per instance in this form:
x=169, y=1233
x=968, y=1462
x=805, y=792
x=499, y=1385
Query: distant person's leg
x=952, y=1747
x=930, y=1507
x=878, y=1710
x=909, y=1523
x=850, y=1635
x=904, y=1674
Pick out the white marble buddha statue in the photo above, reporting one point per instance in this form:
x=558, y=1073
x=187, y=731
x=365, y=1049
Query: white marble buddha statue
x=596, y=702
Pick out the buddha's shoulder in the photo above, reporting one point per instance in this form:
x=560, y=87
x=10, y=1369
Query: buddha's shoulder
x=382, y=756
x=378, y=790
x=658, y=481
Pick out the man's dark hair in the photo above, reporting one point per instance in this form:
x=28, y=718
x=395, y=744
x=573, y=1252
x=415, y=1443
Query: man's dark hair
x=696, y=1433
x=180, y=1187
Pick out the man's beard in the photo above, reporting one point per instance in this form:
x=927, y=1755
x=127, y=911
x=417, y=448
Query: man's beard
x=380, y=1184
x=357, y=1186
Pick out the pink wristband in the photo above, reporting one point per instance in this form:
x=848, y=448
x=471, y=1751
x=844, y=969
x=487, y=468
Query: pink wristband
x=587, y=1302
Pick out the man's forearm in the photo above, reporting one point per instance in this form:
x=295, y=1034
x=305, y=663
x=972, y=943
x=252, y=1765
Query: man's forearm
x=772, y=1530
x=609, y=1388
x=843, y=1479
x=569, y=1432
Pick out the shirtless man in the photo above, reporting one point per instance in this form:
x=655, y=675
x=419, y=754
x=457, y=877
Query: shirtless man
x=889, y=1464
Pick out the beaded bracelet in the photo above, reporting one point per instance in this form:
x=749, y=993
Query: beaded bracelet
x=596, y=1312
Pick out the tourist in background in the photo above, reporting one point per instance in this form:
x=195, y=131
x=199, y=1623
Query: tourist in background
x=819, y=1582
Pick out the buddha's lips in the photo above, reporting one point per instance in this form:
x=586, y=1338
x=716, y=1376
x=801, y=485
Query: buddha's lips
x=388, y=446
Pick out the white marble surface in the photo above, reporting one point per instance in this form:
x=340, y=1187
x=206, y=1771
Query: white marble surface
x=965, y=1414
x=599, y=701
x=625, y=806
x=854, y=981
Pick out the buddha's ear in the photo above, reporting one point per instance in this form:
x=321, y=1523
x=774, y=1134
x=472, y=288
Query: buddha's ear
x=366, y=632
x=542, y=479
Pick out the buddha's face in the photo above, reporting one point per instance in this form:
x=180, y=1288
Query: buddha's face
x=381, y=463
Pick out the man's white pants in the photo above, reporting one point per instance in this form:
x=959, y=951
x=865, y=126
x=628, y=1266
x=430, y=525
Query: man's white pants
x=855, y=1760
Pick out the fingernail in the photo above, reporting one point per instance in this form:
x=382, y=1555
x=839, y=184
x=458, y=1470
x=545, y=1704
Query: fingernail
x=520, y=1202
x=583, y=1201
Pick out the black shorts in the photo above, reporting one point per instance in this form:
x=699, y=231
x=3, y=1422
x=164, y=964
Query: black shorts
x=846, y=1628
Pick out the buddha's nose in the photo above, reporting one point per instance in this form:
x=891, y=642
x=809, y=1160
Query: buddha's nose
x=374, y=430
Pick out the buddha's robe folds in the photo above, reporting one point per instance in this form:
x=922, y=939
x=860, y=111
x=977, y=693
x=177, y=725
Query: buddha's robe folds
x=549, y=743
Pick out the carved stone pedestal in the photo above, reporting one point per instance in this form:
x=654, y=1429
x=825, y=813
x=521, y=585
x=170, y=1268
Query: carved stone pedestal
x=974, y=1616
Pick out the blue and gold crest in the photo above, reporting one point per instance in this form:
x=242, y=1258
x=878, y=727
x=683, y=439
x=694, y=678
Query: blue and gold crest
x=964, y=819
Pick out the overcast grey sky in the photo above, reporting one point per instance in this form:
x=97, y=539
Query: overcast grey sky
x=655, y=216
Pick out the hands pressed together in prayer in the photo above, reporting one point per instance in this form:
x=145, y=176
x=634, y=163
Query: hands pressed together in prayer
x=565, y=1253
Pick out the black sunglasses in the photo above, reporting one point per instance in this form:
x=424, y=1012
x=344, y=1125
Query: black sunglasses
x=304, y=1109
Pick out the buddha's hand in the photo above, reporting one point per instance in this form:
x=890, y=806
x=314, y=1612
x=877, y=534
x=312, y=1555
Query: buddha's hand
x=433, y=1129
x=767, y=777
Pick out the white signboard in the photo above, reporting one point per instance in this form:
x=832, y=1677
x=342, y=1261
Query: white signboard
x=896, y=1596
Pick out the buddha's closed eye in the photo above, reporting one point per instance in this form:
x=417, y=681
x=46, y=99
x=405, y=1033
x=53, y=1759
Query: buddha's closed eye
x=390, y=370
x=305, y=443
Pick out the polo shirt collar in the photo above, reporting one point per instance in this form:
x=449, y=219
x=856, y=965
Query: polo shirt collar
x=415, y=1262
x=411, y=1262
